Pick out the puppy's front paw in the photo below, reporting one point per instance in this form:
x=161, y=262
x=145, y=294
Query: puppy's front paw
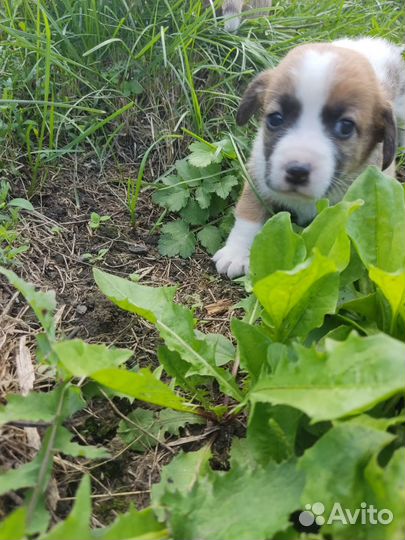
x=232, y=260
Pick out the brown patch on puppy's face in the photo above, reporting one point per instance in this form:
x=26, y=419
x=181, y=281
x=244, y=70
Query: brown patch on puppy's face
x=253, y=98
x=356, y=96
x=324, y=114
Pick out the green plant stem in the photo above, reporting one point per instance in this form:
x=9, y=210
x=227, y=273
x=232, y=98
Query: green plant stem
x=48, y=456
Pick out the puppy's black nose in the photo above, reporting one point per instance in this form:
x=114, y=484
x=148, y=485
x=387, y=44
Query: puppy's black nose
x=297, y=174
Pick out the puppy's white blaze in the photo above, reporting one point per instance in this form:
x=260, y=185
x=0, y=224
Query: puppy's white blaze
x=307, y=142
x=313, y=79
x=257, y=164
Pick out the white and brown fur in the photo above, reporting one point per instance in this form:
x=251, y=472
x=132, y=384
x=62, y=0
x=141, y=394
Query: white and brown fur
x=316, y=89
x=232, y=11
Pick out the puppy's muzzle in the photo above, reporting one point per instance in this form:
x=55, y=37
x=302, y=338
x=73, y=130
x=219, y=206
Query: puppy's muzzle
x=297, y=174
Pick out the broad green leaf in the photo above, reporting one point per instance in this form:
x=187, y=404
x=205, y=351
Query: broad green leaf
x=297, y=300
x=41, y=406
x=354, y=271
x=227, y=146
x=176, y=239
x=241, y=454
x=149, y=302
x=27, y=476
x=133, y=525
x=279, y=353
x=226, y=223
x=221, y=348
x=276, y=247
x=133, y=87
x=351, y=377
x=23, y=204
x=13, y=526
x=365, y=420
x=145, y=428
x=291, y=533
x=179, y=476
x=243, y=503
x=41, y=516
x=176, y=367
x=82, y=359
x=223, y=186
x=346, y=449
x=378, y=227
x=194, y=214
x=175, y=324
x=364, y=305
x=386, y=489
x=77, y=525
x=328, y=233
x=171, y=421
x=23, y=476
x=42, y=303
x=142, y=385
x=338, y=333
x=221, y=211
x=251, y=307
x=203, y=197
x=203, y=154
x=173, y=195
x=253, y=346
x=141, y=430
x=392, y=285
x=210, y=238
x=173, y=199
x=63, y=443
x=272, y=431
x=192, y=176
x=176, y=328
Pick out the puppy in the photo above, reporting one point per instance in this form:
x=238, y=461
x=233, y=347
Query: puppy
x=232, y=9
x=329, y=110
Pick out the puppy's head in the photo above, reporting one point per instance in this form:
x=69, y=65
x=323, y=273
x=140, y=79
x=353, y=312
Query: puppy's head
x=324, y=114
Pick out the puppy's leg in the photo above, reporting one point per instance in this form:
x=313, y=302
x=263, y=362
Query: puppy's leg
x=233, y=258
x=256, y=4
x=231, y=10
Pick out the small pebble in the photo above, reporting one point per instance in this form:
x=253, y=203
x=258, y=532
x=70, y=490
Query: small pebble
x=81, y=309
x=137, y=248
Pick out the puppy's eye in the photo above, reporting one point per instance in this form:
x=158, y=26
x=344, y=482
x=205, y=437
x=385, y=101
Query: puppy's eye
x=274, y=120
x=344, y=128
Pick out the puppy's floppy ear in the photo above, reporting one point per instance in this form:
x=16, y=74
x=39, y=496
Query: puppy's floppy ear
x=389, y=138
x=253, y=97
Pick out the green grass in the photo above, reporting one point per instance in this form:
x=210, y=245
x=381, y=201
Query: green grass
x=12, y=244
x=78, y=75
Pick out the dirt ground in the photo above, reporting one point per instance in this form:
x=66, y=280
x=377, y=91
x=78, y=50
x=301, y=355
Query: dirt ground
x=59, y=236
